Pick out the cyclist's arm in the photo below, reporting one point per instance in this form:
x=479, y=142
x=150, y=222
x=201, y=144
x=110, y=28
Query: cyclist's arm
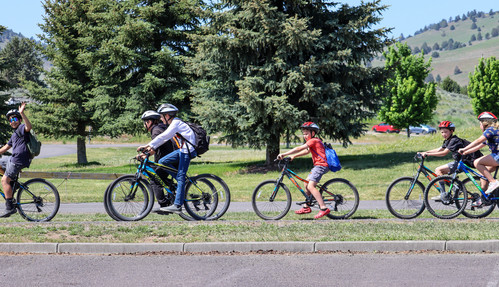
x=297, y=149
x=474, y=146
x=27, y=123
x=435, y=152
x=301, y=153
x=4, y=148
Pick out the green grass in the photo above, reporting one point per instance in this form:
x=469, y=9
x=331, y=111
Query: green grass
x=243, y=227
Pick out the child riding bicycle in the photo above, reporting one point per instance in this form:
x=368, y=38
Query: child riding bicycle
x=313, y=144
x=488, y=163
x=21, y=157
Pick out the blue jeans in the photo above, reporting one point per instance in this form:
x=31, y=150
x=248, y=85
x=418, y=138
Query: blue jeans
x=183, y=160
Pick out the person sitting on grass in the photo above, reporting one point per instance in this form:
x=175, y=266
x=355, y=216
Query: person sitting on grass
x=314, y=144
x=488, y=163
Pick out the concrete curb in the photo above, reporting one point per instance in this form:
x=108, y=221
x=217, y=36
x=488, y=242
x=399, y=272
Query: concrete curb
x=298, y=247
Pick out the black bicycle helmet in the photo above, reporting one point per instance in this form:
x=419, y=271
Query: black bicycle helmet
x=13, y=112
x=150, y=115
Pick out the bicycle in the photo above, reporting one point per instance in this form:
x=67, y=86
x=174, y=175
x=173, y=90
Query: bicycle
x=271, y=199
x=37, y=199
x=404, y=196
x=445, y=196
x=472, y=186
x=131, y=198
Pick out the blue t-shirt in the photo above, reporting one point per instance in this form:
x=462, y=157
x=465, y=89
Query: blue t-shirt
x=492, y=136
x=20, y=152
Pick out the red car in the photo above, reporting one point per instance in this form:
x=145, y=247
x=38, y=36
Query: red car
x=385, y=128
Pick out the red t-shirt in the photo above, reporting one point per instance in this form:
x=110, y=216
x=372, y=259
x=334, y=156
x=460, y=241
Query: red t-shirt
x=317, y=148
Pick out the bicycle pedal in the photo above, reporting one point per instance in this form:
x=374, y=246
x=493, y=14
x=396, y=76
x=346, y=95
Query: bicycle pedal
x=301, y=203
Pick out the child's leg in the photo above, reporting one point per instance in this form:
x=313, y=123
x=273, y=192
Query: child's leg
x=482, y=165
x=443, y=169
x=312, y=188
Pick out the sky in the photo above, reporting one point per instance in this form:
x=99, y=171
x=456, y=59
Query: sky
x=405, y=16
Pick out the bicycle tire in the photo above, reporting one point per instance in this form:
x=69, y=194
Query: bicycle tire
x=38, y=200
x=476, y=212
x=452, y=205
x=215, y=196
x=271, y=209
x=106, y=206
x=398, y=204
x=341, y=197
x=121, y=206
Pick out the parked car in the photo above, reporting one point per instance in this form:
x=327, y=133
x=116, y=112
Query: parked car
x=422, y=129
x=385, y=128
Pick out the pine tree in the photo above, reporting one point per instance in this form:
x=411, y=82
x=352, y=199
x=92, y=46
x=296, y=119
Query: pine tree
x=23, y=60
x=267, y=66
x=5, y=129
x=410, y=100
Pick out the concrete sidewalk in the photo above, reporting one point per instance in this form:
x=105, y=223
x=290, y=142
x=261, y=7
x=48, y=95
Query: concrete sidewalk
x=299, y=247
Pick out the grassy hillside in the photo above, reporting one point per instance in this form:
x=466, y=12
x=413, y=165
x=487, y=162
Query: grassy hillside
x=465, y=58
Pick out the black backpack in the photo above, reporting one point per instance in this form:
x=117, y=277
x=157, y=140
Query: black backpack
x=202, y=143
x=470, y=158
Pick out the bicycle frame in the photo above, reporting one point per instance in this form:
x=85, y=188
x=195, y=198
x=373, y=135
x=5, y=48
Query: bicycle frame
x=470, y=173
x=292, y=176
x=422, y=169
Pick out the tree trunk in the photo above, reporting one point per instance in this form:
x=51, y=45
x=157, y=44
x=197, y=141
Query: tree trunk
x=272, y=149
x=81, y=150
x=408, y=133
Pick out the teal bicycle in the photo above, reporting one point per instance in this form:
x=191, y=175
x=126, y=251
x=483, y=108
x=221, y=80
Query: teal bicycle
x=131, y=198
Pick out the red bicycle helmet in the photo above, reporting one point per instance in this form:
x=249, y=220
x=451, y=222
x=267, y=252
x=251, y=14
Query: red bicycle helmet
x=487, y=116
x=310, y=126
x=447, y=125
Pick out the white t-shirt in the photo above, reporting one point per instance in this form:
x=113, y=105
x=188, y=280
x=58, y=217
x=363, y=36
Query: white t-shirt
x=176, y=126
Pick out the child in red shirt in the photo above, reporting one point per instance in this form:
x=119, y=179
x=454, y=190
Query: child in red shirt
x=314, y=145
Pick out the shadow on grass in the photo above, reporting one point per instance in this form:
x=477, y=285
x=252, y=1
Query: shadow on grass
x=78, y=165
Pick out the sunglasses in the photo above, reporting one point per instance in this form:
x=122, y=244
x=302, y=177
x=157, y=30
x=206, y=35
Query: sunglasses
x=13, y=120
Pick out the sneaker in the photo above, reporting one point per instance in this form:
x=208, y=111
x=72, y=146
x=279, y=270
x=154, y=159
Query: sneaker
x=161, y=212
x=303, y=210
x=9, y=212
x=492, y=187
x=477, y=202
x=172, y=209
x=322, y=213
x=439, y=197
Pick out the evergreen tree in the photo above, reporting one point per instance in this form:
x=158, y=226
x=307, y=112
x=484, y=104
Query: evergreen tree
x=450, y=85
x=436, y=47
x=473, y=26
x=438, y=79
x=482, y=88
x=473, y=38
x=267, y=66
x=457, y=70
x=5, y=129
x=410, y=100
x=23, y=60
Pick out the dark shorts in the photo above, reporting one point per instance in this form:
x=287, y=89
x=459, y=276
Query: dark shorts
x=13, y=170
x=317, y=172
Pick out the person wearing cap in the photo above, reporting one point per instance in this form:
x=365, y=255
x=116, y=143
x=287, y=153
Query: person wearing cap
x=153, y=124
x=488, y=163
x=21, y=157
x=181, y=157
x=314, y=145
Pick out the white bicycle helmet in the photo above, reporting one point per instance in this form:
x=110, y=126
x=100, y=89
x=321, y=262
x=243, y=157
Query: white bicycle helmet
x=487, y=116
x=150, y=115
x=167, y=108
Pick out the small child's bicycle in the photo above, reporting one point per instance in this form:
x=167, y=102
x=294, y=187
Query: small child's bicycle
x=271, y=199
x=404, y=196
x=37, y=199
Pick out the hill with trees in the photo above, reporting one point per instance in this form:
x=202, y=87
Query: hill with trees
x=456, y=44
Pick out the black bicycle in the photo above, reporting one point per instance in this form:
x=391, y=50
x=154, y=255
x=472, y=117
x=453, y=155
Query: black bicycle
x=131, y=198
x=271, y=199
x=37, y=199
x=404, y=196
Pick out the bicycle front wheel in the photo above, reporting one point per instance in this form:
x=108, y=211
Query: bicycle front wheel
x=129, y=198
x=404, y=198
x=445, y=197
x=38, y=200
x=341, y=197
x=270, y=200
x=207, y=197
x=473, y=194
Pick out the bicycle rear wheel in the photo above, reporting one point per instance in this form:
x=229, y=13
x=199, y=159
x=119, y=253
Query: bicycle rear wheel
x=129, y=199
x=404, y=198
x=473, y=193
x=38, y=200
x=448, y=204
x=207, y=197
x=271, y=201
x=341, y=197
